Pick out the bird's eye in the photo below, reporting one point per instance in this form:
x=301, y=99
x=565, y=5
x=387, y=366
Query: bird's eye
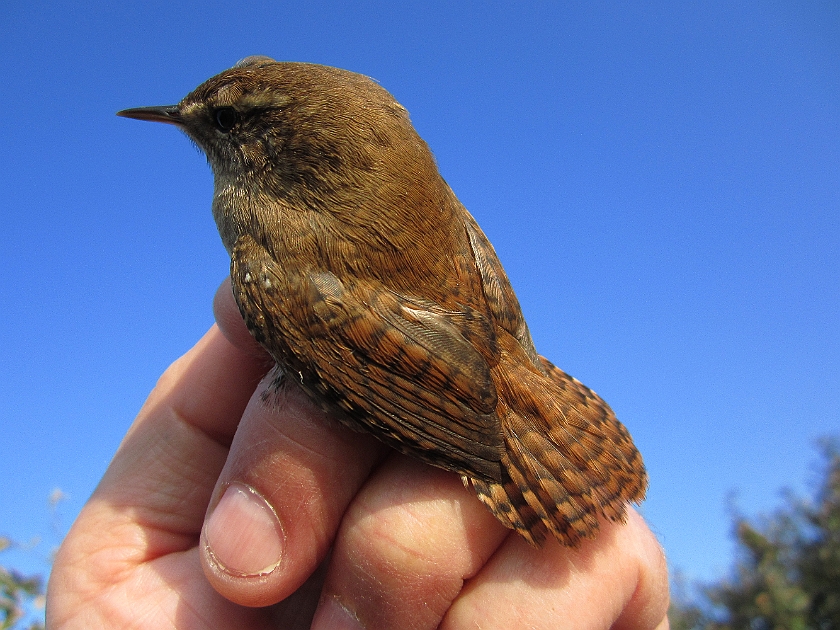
x=226, y=118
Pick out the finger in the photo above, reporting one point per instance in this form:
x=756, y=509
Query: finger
x=290, y=474
x=230, y=322
x=410, y=539
x=618, y=581
x=648, y=606
x=168, y=463
x=152, y=499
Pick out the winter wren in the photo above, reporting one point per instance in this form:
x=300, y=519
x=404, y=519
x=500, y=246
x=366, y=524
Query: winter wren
x=357, y=268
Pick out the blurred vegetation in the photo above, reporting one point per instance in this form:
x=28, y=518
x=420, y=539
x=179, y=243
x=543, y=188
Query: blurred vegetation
x=20, y=595
x=787, y=571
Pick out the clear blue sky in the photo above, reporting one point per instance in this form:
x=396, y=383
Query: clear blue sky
x=661, y=181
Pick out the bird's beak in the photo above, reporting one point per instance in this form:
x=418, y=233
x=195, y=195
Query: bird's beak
x=162, y=113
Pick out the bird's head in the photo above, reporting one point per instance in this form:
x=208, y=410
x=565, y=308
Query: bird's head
x=298, y=131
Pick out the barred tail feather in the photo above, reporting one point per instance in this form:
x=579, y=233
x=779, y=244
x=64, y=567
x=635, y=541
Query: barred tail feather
x=568, y=460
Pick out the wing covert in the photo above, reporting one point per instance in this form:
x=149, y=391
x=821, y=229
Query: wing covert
x=404, y=367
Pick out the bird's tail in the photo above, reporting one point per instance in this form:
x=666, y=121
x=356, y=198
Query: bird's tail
x=568, y=459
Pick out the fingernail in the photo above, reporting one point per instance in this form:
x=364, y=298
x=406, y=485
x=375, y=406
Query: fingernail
x=243, y=535
x=333, y=616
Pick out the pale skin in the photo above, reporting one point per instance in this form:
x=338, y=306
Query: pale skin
x=224, y=508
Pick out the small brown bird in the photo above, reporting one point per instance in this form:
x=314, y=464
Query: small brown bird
x=357, y=268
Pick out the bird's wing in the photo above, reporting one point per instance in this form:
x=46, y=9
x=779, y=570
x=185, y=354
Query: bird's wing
x=404, y=367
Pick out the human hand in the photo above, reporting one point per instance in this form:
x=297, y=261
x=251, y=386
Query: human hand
x=225, y=510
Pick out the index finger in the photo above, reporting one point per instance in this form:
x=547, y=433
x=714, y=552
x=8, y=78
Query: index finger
x=135, y=540
x=167, y=465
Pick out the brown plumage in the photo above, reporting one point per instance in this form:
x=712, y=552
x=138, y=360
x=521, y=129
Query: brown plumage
x=357, y=268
